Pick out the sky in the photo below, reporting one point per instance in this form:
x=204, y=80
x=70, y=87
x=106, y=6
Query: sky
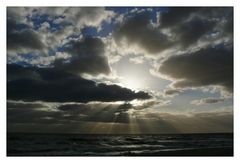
x=120, y=70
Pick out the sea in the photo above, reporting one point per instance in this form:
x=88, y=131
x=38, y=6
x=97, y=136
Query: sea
x=117, y=145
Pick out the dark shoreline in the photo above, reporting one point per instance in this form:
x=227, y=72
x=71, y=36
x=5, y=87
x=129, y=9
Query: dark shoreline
x=226, y=151
x=156, y=145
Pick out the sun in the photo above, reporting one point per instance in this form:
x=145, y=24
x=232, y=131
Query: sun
x=133, y=76
x=132, y=82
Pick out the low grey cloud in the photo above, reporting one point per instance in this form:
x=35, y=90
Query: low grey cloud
x=207, y=101
x=22, y=105
x=54, y=85
x=74, y=112
x=22, y=112
x=206, y=122
x=34, y=112
x=172, y=92
x=95, y=112
x=83, y=118
x=209, y=66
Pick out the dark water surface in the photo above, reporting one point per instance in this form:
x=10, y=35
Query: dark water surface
x=119, y=145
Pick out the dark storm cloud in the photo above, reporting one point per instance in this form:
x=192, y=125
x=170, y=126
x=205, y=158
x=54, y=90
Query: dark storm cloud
x=87, y=57
x=216, y=12
x=176, y=15
x=229, y=26
x=189, y=24
x=24, y=39
x=209, y=66
x=138, y=30
x=53, y=85
x=189, y=32
x=179, y=15
x=180, y=28
x=87, y=54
